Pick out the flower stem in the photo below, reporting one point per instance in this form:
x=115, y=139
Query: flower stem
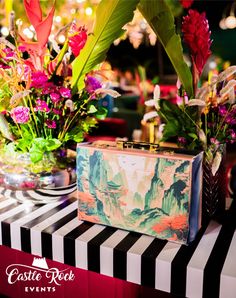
x=33, y=115
x=191, y=119
x=222, y=122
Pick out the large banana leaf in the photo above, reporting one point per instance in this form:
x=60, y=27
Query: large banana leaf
x=111, y=16
x=160, y=18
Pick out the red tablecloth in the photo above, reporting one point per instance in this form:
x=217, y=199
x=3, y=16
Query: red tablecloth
x=86, y=284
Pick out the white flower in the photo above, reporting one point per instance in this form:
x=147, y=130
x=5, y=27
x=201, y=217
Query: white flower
x=110, y=92
x=149, y=115
x=159, y=133
x=156, y=97
x=202, y=137
x=69, y=104
x=196, y=102
x=153, y=103
x=229, y=89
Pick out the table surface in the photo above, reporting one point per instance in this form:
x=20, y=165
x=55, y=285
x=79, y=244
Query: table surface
x=205, y=268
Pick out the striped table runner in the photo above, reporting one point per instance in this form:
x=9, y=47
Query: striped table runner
x=205, y=268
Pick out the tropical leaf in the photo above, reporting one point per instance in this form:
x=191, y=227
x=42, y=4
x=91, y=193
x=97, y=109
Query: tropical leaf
x=111, y=16
x=160, y=18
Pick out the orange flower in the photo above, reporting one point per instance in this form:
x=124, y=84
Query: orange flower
x=87, y=198
x=179, y=222
x=91, y=218
x=163, y=225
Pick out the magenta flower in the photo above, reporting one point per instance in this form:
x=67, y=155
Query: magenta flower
x=20, y=114
x=233, y=134
x=50, y=123
x=214, y=141
x=42, y=106
x=182, y=140
x=56, y=111
x=92, y=84
x=38, y=79
x=55, y=97
x=22, y=49
x=222, y=110
x=48, y=88
x=230, y=120
x=77, y=38
x=4, y=66
x=9, y=53
x=65, y=92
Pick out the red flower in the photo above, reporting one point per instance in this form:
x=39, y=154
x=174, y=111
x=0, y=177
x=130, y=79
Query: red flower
x=77, y=39
x=196, y=32
x=42, y=27
x=186, y=3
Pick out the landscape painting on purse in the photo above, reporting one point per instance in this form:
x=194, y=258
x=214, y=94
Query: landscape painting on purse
x=141, y=192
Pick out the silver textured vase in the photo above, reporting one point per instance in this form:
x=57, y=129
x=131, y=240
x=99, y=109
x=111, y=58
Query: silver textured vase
x=46, y=181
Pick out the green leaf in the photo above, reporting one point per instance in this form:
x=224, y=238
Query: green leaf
x=52, y=144
x=36, y=154
x=171, y=130
x=75, y=134
x=158, y=15
x=169, y=111
x=193, y=136
x=101, y=113
x=92, y=109
x=39, y=143
x=24, y=144
x=88, y=123
x=111, y=16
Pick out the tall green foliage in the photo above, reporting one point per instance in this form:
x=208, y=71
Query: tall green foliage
x=111, y=16
x=160, y=18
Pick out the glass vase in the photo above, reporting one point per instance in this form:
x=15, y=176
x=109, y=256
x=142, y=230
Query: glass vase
x=45, y=181
x=214, y=187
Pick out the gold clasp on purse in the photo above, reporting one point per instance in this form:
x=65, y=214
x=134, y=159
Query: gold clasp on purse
x=137, y=145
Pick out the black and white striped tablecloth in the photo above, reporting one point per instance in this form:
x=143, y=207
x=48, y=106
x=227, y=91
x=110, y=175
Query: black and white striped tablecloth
x=206, y=268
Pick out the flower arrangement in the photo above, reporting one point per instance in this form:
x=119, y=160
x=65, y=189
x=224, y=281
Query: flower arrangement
x=204, y=120
x=49, y=93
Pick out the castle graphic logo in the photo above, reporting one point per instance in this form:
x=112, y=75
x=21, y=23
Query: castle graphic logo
x=51, y=278
x=40, y=262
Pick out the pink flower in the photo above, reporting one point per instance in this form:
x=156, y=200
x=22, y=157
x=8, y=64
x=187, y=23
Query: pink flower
x=77, y=38
x=48, y=88
x=38, y=79
x=50, y=123
x=65, y=92
x=56, y=111
x=20, y=114
x=22, y=49
x=55, y=97
x=92, y=84
x=196, y=33
x=9, y=53
x=42, y=106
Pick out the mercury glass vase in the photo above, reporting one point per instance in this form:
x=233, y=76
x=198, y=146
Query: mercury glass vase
x=46, y=181
x=214, y=188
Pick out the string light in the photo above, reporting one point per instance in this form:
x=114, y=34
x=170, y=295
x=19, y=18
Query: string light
x=4, y=31
x=88, y=11
x=228, y=20
x=137, y=31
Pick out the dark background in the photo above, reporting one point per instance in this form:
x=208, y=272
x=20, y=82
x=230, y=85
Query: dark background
x=125, y=56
